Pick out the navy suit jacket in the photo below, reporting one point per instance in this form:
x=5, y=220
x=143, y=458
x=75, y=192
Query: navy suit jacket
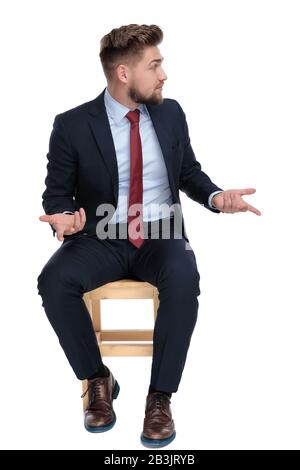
x=82, y=168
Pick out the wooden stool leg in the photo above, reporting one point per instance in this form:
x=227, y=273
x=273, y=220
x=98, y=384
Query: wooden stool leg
x=85, y=399
x=155, y=303
x=94, y=309
x=96, y=317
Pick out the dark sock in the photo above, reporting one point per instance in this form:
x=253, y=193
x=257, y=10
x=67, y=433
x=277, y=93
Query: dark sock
x=101, y=372
x=152, y=389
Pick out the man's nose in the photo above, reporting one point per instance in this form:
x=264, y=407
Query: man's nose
x=163, y=76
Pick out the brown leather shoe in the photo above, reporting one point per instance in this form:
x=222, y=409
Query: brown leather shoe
x=99, y=415
x=159, y=428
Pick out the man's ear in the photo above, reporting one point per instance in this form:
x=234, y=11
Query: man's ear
x=122, y=73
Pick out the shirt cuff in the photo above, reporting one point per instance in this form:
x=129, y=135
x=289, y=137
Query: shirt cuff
x=210, y=198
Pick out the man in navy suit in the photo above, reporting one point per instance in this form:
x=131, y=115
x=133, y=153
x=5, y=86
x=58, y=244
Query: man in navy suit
x=127, y=148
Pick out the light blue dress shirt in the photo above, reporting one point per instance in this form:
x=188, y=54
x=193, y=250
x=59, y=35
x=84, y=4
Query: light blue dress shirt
x=156, y=189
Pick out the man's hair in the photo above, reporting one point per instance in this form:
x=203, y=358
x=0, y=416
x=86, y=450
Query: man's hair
x=126, y=45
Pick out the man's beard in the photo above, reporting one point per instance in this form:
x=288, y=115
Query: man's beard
x=137, y=97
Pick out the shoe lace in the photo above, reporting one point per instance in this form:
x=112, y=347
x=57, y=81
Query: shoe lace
x=160, y=401
x=96, y=389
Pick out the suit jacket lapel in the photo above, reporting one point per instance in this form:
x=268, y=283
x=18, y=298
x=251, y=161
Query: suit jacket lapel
x=166, y=141
x=99, y=124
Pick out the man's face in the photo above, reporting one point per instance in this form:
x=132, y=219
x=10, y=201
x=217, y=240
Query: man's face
x=146, y=78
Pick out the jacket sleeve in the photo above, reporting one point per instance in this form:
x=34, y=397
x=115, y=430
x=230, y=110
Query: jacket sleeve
x=61, y=176
x=193, y=181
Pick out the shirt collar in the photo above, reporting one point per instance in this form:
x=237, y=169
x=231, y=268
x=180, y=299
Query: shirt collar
x=118, y=111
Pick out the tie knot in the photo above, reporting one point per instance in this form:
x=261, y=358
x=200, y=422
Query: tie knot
x=133, y=116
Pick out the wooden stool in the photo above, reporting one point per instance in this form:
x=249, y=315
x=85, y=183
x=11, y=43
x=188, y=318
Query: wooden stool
x=120, y=342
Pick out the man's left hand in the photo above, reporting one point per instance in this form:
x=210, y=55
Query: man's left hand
x=231, y=201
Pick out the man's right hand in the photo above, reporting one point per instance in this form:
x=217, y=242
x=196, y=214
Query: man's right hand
x=66, y=224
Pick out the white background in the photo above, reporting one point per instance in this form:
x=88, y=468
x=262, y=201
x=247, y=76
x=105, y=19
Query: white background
x=234, y=68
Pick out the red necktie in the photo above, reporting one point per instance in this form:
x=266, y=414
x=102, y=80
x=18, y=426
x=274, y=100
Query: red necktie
x=136, y=180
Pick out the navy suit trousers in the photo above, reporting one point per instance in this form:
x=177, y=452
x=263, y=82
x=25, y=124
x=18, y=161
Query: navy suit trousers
x=87, y=262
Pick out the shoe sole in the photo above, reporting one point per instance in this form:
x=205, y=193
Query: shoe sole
x=107, y=427
x=157, y=442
